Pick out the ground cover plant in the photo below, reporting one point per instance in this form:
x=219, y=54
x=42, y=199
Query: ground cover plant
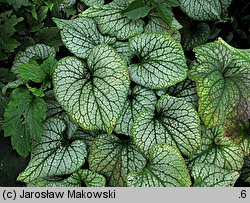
x=136, y=93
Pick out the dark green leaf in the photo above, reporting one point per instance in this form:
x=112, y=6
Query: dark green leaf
x=137, y=9
x=165, y=13
x=23, y=120
x=172, y=3
x=31, y=72
x=18, y=3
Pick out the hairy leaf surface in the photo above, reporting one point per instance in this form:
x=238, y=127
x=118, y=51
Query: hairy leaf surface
x=23, y=120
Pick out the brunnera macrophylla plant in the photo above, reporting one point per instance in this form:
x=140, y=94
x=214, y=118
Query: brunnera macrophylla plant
x=127, y=108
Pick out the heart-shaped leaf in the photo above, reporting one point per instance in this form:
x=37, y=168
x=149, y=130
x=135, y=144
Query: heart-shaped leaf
x=159, y=61
x=81, y=35
x=93, y=94
x=79, y=178
x=174, y=122
x=185, y=89
x=203, y=9
x=139, y=99
x=218, y=150
x=54, y=154
x=209, y=175
x=223, y=80
x=111, y=21
x=115, y=158
x=165, y=168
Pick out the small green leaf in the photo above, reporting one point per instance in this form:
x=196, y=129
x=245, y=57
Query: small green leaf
x=174, y=122
x=31, y=72
x=38, y=51
x=115, y=158
x=7, y=29
x=159, y=61
x=94, y=93
x=165, y=13
x=209, y=175
x=165, y=168
x=48, y=66
x=54, y=155
x=23, y=120
x=137, y=9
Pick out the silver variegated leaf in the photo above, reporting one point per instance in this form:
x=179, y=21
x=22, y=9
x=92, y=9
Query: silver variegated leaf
x=185, y=90
x=40, y=51
x=115, y=158
x=161, y=61
x=93, y=94
x=222, y=76
x=209, y=175
x=203, y=9
x=54, y=154
x=165, y=168
x=111, y=21
x=80, y=178
x=81, y=35
x=218, y=150
x=139, y=100
x=174, y=122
